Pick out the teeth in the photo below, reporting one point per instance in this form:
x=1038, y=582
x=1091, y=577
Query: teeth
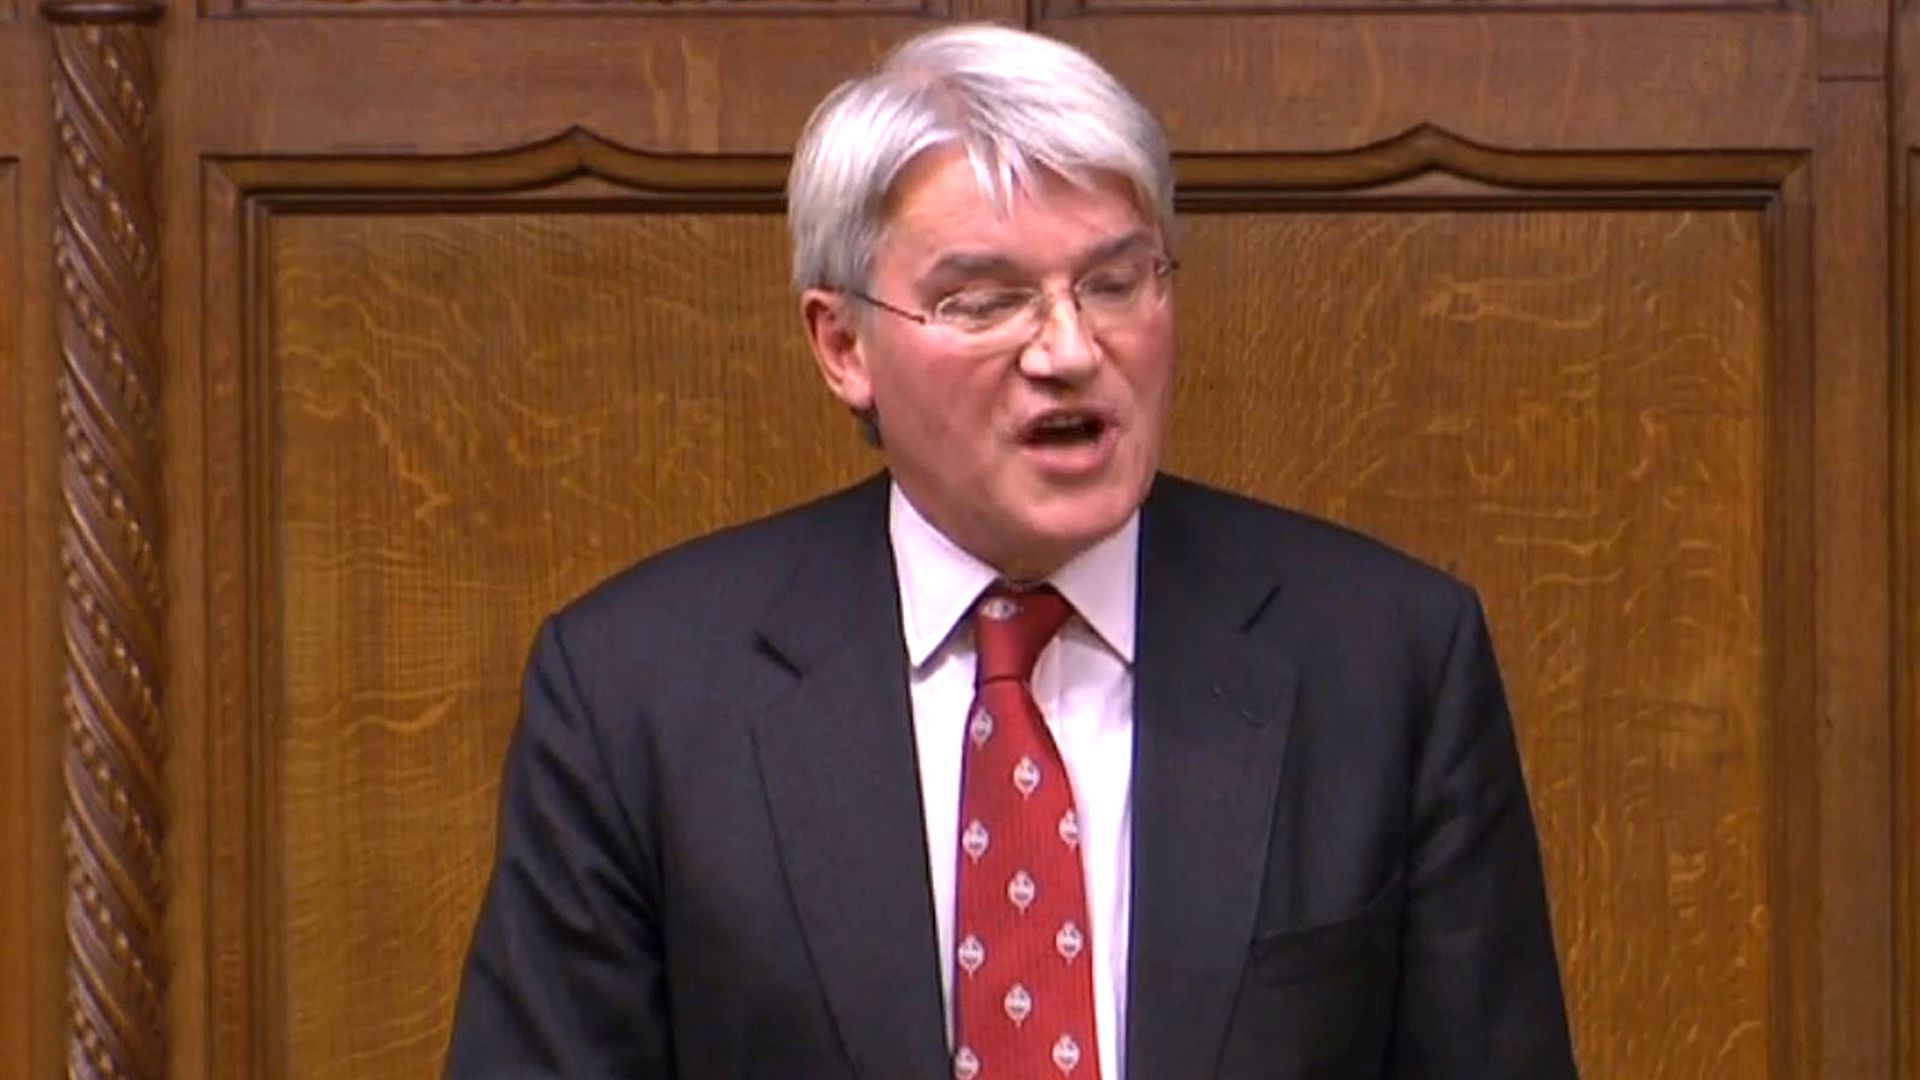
x=1066, y=427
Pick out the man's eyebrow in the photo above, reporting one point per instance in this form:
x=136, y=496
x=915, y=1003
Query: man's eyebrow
x=1119, y=245
x=968, y=263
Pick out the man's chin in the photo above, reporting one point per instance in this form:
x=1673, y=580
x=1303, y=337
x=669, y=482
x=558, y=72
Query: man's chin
x=1053, y=538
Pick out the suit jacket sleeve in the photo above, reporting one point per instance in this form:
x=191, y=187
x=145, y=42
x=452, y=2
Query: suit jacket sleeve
x=564, y=977
x=1480, y=990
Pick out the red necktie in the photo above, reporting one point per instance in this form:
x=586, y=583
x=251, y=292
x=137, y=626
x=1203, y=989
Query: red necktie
x=1023, y=964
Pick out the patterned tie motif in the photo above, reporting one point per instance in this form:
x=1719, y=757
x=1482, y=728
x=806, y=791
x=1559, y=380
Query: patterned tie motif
x=1023, y=969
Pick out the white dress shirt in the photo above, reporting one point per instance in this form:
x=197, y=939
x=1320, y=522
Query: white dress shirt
x=1083, y=684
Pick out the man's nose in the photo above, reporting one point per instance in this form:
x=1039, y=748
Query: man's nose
x=1064, y=349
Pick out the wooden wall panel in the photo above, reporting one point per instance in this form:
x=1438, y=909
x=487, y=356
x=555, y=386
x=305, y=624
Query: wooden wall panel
x=351, y=612
x=477, y=417
x=680, y=84
x=1575, y=78
x=1545, y=403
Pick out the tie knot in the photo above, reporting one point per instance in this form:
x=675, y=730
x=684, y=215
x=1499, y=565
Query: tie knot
x=1011, y=626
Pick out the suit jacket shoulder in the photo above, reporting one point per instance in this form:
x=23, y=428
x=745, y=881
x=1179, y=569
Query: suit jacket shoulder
x=1282, y=539
x=673, y=827
x=1354, y=586
x=657, y=622
x=733, y=569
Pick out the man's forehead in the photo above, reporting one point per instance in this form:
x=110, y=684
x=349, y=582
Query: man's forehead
x=952, y=177
x=944, y=212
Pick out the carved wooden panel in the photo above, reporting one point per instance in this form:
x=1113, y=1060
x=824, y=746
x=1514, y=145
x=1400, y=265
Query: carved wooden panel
x=1556, y=406
x=476, y=417
x=106, y=263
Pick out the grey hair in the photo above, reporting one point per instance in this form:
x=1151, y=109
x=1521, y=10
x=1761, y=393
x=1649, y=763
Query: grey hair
x=1017, y=102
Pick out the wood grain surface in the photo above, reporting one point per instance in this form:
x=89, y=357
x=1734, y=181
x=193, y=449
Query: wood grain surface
x=32, y=952
x=1855, y=601
x=479, y=417
x=1312, y=81
x=1070, y=8
x=1582, y=76
x=1544, y=403
x=16, y=734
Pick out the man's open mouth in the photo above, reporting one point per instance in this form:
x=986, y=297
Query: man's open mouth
x=1065, y=428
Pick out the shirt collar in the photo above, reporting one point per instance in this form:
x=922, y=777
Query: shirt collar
x=939, y=582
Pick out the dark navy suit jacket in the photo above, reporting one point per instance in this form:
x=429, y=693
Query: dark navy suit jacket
x=712, y=860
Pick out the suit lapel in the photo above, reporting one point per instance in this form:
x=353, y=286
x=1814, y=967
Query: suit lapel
x=837, y=760
x=1211, y=714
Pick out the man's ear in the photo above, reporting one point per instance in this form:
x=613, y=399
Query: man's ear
x=838, y=347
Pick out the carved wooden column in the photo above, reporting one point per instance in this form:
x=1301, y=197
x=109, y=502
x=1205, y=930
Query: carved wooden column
x=106, y=256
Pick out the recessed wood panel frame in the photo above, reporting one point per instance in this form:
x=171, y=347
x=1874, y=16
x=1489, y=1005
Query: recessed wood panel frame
x=1424, y=169
x=574, y=173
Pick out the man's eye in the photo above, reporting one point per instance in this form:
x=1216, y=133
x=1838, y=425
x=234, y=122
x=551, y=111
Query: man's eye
x=1117, y=284
x=983, y=305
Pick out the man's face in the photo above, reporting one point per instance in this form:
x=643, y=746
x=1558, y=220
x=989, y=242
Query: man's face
x=1027, y=452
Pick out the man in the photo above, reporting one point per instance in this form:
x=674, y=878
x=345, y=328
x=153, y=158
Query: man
x=1022, y=760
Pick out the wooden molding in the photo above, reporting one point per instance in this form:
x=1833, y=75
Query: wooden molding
x=18, y=818
x=1068, y=9
x=103, y=12
x=712, y=182
x=107, y=273
x=1905, y=585
x=649, y=8
x=1423, y=164
x=1428, y=164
